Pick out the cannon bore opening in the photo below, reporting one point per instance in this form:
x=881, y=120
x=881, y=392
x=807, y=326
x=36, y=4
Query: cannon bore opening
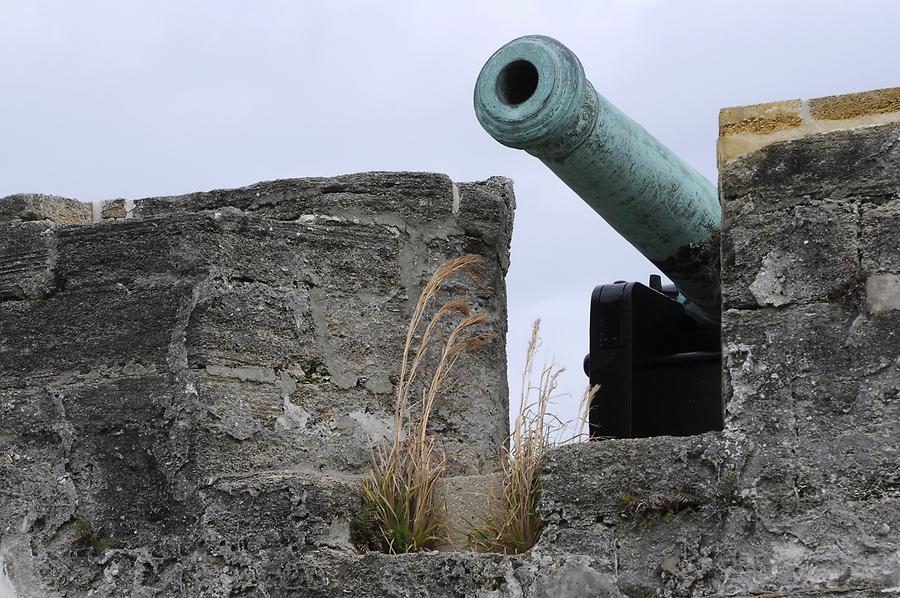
x=517, y=82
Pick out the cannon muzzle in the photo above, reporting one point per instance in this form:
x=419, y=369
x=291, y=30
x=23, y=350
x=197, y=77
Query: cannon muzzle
x=532, y=94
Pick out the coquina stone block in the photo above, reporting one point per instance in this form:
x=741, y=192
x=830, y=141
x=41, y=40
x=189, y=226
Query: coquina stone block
x=187, y=369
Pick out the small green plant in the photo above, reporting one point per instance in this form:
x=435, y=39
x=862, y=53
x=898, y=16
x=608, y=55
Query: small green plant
x=659, y=506
x=399, y=512
x=316, y=371
x=89, y=539
x=516, y=526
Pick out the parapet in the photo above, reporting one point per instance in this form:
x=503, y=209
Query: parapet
x=798, y=494
x=178, y=371
x=745, y=129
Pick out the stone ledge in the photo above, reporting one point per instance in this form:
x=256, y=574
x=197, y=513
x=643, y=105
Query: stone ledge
x=35, y=206
x=745, y=129
x=468, y=501
x=158, y=364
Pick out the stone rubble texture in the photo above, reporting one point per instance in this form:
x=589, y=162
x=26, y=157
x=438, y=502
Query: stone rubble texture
x=202, y=378
x=199, y=377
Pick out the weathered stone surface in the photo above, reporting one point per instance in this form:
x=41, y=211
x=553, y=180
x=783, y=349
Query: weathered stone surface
x=694, y=517
x=596, y=501
x=197, y=383
x=469, y=503
x=807, y=220
x=845, y=165
x=280, y=303
x=25, y=207
x=747, y=129
x=453, y=574
x=811, y=394
x=760, y=118
x=329, y=573
x=91, y=333
x=882, y=293
x=116, y=209
x=851, y=105
x=802, y=254
x=812, y=367
x=878, y=239
x=27, y=260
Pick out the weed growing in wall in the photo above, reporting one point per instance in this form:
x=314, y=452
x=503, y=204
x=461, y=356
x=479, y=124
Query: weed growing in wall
x=516, y=526
x=399, y=511
x=88, y=540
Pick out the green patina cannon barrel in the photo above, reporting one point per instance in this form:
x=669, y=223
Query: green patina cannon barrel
x=532, y=94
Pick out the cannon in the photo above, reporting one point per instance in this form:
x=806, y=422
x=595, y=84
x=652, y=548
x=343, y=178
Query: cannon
x=654, y=349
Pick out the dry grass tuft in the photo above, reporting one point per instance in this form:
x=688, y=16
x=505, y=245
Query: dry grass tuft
x=517, y=526
x=585, y=410
x=399, y=510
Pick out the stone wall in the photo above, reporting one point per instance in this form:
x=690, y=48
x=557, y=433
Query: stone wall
x=200, y=379
x=800, y=495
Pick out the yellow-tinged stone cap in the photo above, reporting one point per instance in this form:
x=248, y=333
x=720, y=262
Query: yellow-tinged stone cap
x=853, y=105
x=744, y=129
x=760, y=119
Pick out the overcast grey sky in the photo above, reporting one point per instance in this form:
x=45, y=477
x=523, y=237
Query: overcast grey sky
x=133, y=99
